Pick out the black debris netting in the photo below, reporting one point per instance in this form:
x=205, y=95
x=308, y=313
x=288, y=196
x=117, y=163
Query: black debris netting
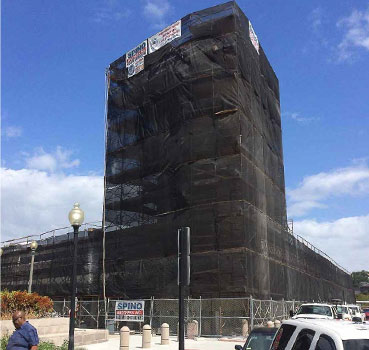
x=53, y=265
x=192, y=140
x=195, y=140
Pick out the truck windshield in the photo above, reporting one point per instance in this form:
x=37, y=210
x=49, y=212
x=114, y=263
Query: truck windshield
x=356, y=344
x=259, y=340
x=315, y=310
x=342, y=309
x=354, y=310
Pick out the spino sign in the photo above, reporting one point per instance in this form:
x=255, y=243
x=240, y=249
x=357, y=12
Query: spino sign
x=135, y=59
x=129, y=310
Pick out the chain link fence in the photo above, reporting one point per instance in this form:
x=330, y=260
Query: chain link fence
x=215, y=317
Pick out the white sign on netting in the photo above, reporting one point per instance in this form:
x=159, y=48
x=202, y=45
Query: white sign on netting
x=129, y=310
x=135, y=59
x=165, y=36
x=253, y=37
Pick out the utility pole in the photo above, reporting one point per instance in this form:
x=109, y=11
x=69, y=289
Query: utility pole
x=183, y=277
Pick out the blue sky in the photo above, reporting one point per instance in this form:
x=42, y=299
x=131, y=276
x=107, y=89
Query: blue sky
x=54, y=54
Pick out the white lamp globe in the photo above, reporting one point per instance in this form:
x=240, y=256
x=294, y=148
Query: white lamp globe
x=76, y=215
x=34, y=245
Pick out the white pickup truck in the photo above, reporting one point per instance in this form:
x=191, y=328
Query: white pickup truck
x=356, y=312
x=316, y=311
x=317, y=334
x=344, y=312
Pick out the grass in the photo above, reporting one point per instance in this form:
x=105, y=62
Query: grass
x=44, y=345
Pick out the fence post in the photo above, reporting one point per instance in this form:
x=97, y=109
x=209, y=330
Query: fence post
x=271, y=309
x=187, y=310
x=293, y=306
x=98, y=312
x=200, y=318
x=251, y=313
x=151, y=310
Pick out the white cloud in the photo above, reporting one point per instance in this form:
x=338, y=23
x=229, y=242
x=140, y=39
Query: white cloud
x=156, y=10
x=110, y=10
x=35, y=201
x=12, y=131
x=356, y=34
x=60, y=159
x=314, y=189
x=344, y=240
x=316, y=18
x=298, y=117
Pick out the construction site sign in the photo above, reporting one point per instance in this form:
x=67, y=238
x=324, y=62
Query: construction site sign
x=135, y=59
x=165, y=36
x=129, y=310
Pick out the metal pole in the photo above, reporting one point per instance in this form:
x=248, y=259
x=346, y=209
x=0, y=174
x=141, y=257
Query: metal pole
x=151, y=310
x=181, y=311
x=200, y=317
x=98, y=312
x=251, y=313
x=271, y=309
x=184, y=278
x=31, y=271
x=73, y=296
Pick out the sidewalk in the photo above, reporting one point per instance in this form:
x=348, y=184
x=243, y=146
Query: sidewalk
x=200, y=344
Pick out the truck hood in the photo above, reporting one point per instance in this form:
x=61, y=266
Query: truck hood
x=319, y=317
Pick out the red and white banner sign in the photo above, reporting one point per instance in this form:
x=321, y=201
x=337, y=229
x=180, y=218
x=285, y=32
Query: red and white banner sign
x=253, y=37
x=165, y=36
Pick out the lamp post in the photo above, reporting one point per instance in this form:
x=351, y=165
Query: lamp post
x=76, y=217
x=33, y=247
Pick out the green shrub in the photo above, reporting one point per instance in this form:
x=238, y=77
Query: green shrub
x=4, y=342
x=44, y=345
x=31, y=303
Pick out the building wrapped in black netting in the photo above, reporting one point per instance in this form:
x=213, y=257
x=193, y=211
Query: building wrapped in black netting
x=193, y=139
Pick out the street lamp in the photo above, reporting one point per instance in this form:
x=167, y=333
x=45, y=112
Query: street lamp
x=33, y=247
x=76, y=217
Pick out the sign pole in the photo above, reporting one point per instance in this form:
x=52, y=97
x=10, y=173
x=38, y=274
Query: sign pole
x=181, y=317
x=183, y=278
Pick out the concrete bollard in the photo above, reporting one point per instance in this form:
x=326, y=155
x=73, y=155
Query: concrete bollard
x=146, y=337
x=196, y=325
x=192, y=329
x=124, y=338
x=165, y=334
x=245, y=328
x=277, y=323
x=270, y=324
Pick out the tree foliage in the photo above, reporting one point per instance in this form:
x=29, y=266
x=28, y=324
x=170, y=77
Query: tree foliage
x=360, y=276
